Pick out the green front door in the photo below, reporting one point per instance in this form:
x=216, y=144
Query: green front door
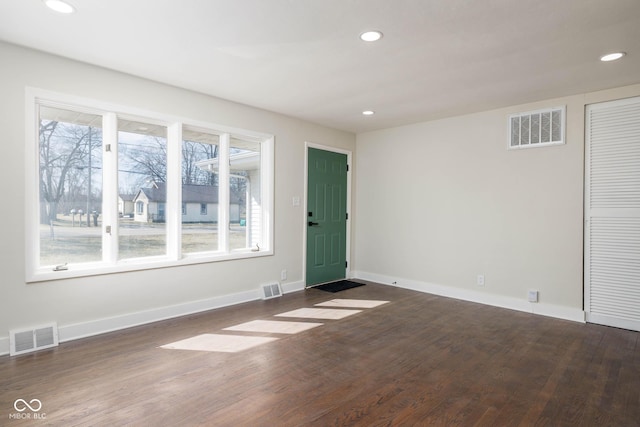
x=326, y=216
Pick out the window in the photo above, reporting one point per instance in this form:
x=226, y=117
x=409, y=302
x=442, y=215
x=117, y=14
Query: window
x=537, y=128
x=142, y=169
x=244, y=191
x=70, y=185
x=114, y=191
x=200, y=182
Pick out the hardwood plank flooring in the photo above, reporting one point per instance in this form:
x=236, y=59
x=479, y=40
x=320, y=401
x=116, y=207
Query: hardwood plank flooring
x=418, y=360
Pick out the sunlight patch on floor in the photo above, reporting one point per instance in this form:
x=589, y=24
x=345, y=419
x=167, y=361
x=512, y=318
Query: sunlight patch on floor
x=273, y=326
x=218, y=342
x=319, y=313
x=353, y=303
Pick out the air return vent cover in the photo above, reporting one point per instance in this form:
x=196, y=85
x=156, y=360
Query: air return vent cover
x=32, y=339
x=537, y=128
x=271, y=290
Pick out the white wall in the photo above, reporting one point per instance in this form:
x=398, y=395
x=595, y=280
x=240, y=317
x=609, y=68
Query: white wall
x=436, y=204
x=441, y=202
x=85, y=305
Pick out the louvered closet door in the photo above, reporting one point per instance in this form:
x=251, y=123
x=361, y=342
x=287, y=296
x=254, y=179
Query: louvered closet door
x=612, y=214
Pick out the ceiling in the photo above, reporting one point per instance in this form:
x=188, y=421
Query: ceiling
x=303, y=58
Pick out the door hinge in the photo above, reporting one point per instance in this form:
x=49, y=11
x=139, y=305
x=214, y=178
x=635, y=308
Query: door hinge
x=347, y=215
x=347, y=168
x=346, y=264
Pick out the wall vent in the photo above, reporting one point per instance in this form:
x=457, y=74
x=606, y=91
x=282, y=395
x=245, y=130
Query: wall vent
x=537, y=128
x=28, y=340
x=271, y=290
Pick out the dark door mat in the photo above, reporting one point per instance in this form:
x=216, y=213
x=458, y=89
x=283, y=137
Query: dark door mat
x=338, y=286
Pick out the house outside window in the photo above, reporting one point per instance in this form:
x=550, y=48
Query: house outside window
x=203, y=208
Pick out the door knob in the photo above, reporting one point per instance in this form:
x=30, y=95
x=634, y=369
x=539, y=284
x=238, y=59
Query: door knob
x=312, y=223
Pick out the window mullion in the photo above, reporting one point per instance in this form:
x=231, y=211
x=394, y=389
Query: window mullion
x=174, y=190
x=110, y=188
x=223, y=193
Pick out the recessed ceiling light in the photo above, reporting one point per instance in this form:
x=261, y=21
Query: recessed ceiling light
x=612, y=56
x=59, y=6
x=368, y=113
x=371, y=36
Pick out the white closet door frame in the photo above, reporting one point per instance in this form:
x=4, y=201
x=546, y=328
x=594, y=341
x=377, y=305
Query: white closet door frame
x=612, y=214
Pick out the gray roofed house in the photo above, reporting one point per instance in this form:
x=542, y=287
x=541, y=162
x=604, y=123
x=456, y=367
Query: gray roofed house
x=199, y=203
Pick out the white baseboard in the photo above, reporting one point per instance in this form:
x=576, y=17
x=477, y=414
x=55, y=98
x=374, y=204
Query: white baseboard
x=4, y=346
x=101, y=326
x=292, y=287
x=550, y=310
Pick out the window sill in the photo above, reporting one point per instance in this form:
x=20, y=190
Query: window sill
x=124, y=266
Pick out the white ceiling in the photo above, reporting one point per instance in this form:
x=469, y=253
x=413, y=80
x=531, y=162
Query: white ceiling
x=303, y=58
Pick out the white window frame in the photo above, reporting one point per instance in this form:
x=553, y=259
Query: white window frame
x=563, y=120
x=173, y=257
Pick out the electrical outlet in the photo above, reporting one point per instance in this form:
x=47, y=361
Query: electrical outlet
x=283, y=275
x=480, y=280
x=533, y=296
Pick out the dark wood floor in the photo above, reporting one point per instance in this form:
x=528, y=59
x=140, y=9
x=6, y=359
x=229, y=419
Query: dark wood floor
x=419, y=360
